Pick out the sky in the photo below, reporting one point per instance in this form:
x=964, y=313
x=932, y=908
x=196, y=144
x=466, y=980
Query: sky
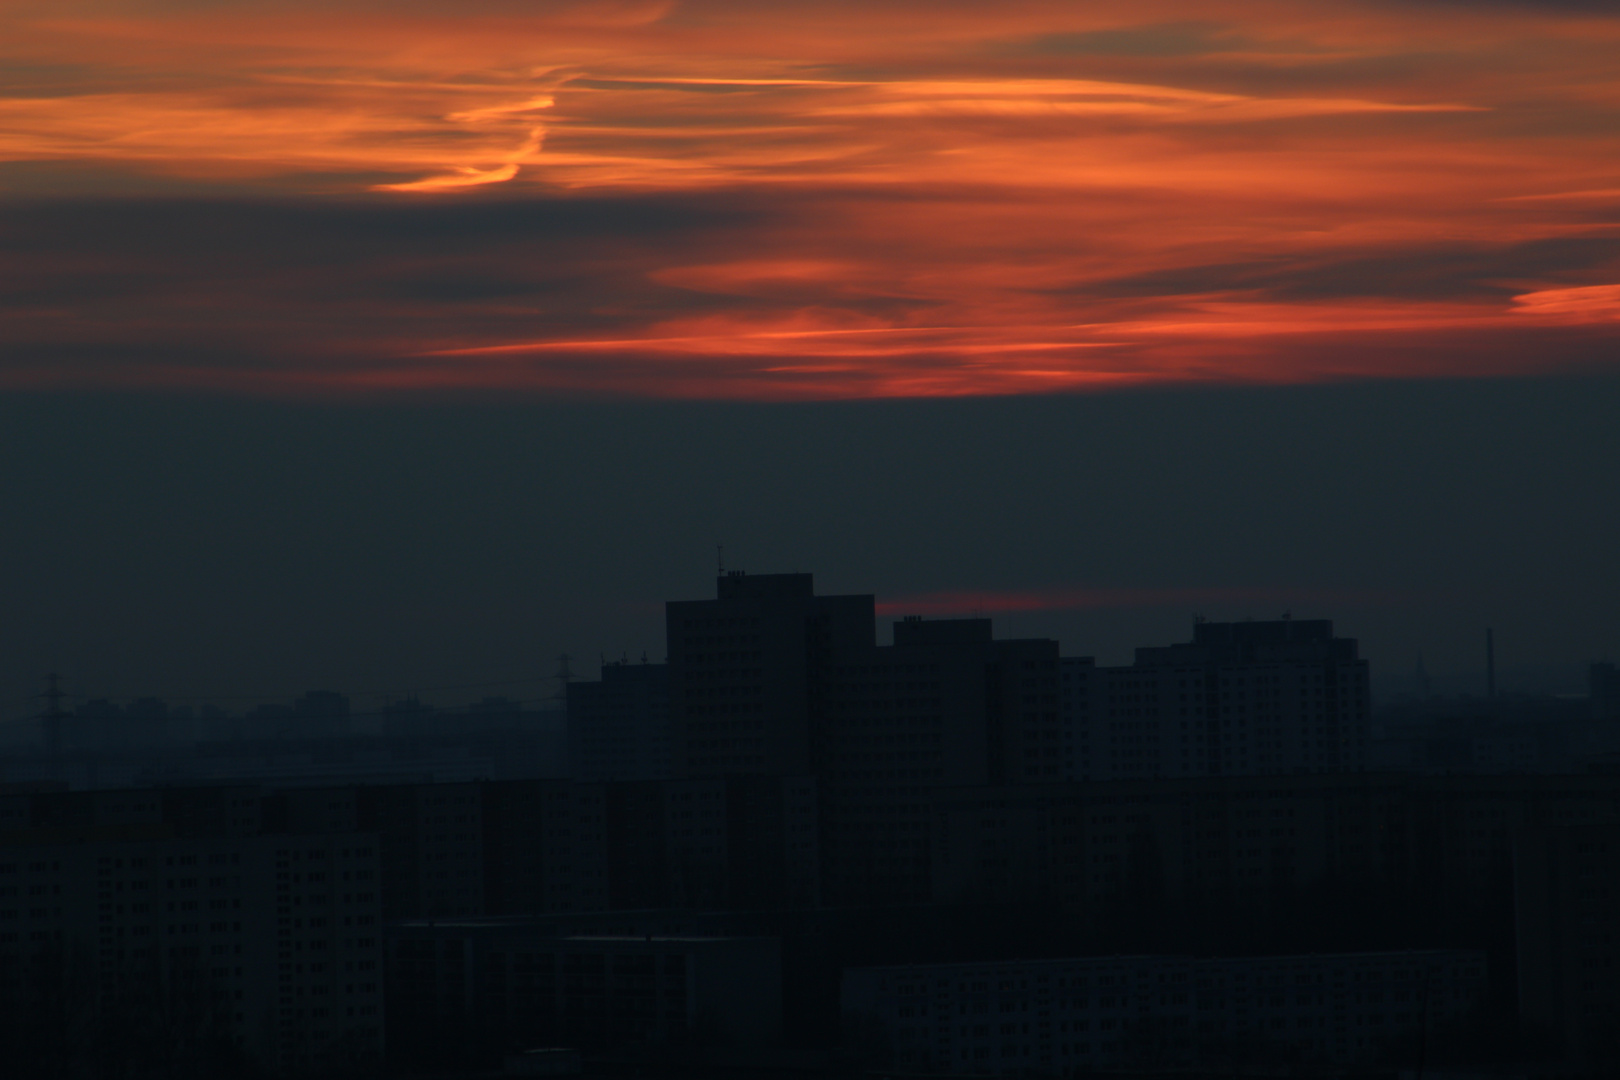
x=1083, y=254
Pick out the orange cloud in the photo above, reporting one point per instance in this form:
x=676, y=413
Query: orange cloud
x=949, y=199
x=1589, y=303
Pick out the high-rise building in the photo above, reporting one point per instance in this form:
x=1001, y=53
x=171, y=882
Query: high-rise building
x=1566, y=878
x=466, y=992
x=618, y=727
x=748, y=672
x=268, y=944
x=947, y=705
x=1603, y=681
x=1156, y=1014
x=1240, y=699
x=770, y=678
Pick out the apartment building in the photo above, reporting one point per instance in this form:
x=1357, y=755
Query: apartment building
x=1074, y=1017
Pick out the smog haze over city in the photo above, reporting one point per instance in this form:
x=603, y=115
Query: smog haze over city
x=459, y=446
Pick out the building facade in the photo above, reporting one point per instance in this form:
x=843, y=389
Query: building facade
x=1566, y=884
x=1076, y=1017
x=268, y=945
x=618, y=726
x=1240, y=699
x=946, y=706
x=470, y=989
x=748, y=672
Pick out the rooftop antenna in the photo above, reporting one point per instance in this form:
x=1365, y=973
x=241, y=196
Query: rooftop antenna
x=720, y=560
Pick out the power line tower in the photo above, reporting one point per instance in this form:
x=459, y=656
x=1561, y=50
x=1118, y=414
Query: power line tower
x=51, y=719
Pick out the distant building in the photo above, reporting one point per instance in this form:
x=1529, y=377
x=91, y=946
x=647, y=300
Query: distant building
x=1566, y=882
x=1510, y=733
x=748, y=672
x=464, y=989
x=1240, y=699
x=946, y=706
x=618, y=727
x=771, y=678
x=1070, y=1018
x=270, y=943
x=1603, y=682
x=315, y=740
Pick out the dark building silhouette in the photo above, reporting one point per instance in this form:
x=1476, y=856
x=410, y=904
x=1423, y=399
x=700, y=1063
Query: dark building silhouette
x=1212, y=866
x=473, y=991
x=1567, y=881
x=1511, y=733
x=1156, y=1014
x=945, y=706
x=771, y=678
x=317, y=739
x=263, y=947
x=731, y=842
x=618, y=727
x=786, y=782
x=1243, y=699
x=1603, y=682
x=748, y=672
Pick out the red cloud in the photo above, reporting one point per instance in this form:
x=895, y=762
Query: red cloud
x=951, y=199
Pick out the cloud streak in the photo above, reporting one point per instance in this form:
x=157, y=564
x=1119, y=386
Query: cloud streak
x=939, y=200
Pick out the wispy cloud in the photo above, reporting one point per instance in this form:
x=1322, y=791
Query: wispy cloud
x=1590, y=303
x=943, y=199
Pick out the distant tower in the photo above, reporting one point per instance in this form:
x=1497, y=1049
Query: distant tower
x=51, y=719
x=1490, y=663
